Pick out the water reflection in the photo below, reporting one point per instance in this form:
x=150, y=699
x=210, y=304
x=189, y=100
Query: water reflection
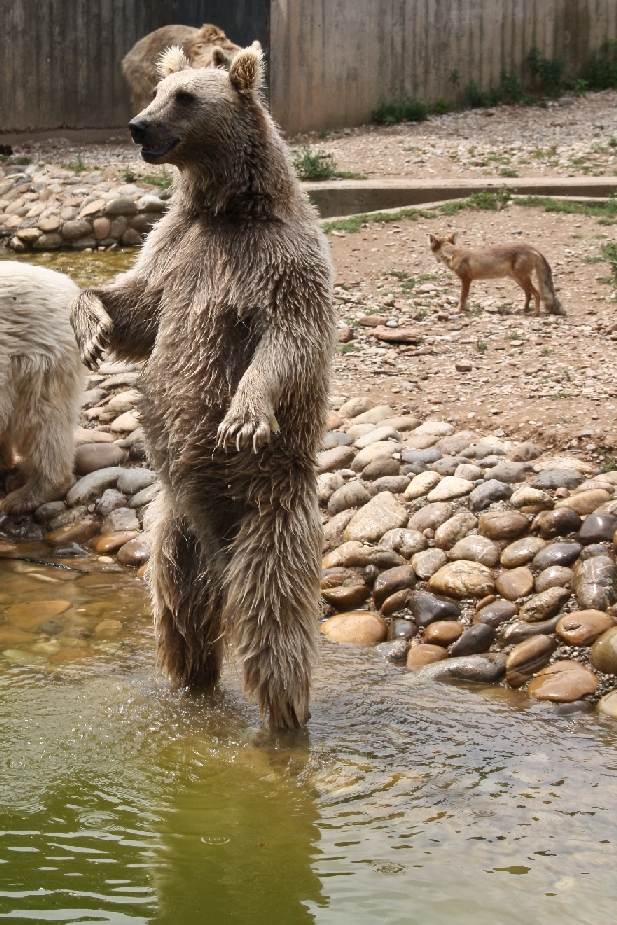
x=122, y=801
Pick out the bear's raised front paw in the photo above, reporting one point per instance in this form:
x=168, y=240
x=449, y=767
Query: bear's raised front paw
x=92, y=326
x=243, y=429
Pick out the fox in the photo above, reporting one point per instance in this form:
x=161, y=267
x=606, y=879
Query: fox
x=515, y=260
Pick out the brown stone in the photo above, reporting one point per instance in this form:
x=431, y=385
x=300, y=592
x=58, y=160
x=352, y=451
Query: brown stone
x=425, y=654
x=583, y=627
x=604, y=652
x=502, y=525
x=335, y=577
x=585, y=502
x=347, y=596
x=455, y=529
x=528, y=657
x=30, y=614
x=557, y=523
x=107, y=628
x=80, y=531
x=462, y=579
x=607, y=705
x=556, y=576
x=495, y=613
x=394, y=579
x=338, y=457
x=563, y=682
x=358, y=627
x=476, y=549
x=359, y=555
x=110, y=543
x=544, y=605
x=431, y=516
x=89, y=457
x=443, y=632
x=397, y=601
x=594, y=583
x=397, y=335
x=514, y=583
x=521, y=551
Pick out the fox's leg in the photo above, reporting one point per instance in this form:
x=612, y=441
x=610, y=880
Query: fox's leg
x=530, y=290
x=465, y=285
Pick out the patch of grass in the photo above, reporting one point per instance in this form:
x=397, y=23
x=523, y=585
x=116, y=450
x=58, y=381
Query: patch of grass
x=163, y=180
x=481, y=345
x=351, y=225
x=401, y=109
x=345, y=348
x=508, y=172
x=441, y=107
x=128, y=175
x=547, y=73
x=408, y=285
x=318, y=165
x=77, y=165
x=609, y=254
x=608, y=463
x=399, y=274
x=490, y=202
x=23, y=160
x=602, y=210
x=600, y=72
x=545, y=352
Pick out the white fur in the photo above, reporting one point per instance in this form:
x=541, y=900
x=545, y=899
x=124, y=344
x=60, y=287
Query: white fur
x=41, y=381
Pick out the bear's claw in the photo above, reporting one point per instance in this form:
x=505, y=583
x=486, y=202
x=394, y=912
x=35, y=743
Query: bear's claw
x=235, y=429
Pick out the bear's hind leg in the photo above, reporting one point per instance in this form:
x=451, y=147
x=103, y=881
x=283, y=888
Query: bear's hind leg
x=187, y=605
x=272, y=603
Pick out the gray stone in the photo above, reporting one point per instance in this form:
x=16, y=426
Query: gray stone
x=519, y=630
x=67, y=517
x=430, y=455
x=428, y=608
x=475, y=640
x=455, y=529
x=428, y=562
x=75, y=229
x=353, y=494
x=480, y=451
x=524, y=452
x=382, y=513
x=381, y=468
x=431, y=516
x=593, y=550
x=145, y=496
x=468, y=471
x=598, y=528
x=496, y=613
x=402, y=629
x=405, y=542
x=391, y=581
x=121, y=207
x=337, y=458
x=137, y=551
x=394, y=483
x=488, y=493
x=336, y=438
x=509, y=472
x=133, y=480
x=557, y=478
x=89, y=457
x=120, y=520
x=447, y=465
x=477, y=549
x=542, y=606
x=483, y=669
x=556, y=576
x=48, y=511
x=594, y=583
x=556, y=554
x=93, y=485
x=395, y=650
x=110, y=500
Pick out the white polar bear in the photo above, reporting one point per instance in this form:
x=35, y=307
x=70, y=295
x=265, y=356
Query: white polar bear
x=41, y=382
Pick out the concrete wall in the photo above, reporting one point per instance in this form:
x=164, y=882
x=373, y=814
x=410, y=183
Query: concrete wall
x=331, y=60
x=60, y=59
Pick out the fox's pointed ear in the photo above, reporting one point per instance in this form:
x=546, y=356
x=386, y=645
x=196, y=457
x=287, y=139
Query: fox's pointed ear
x=173, y=59
x=245, y=72
x=453, y=237
x=432, y=240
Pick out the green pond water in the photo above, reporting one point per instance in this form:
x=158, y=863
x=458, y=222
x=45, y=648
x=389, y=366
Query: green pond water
x=123, y=801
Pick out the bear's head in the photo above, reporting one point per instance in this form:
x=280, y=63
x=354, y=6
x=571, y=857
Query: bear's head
x=194, y=116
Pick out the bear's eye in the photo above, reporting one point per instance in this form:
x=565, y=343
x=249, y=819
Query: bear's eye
x=184, y=98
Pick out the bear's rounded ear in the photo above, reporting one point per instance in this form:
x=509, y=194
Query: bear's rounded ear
x=245, y=72
x=173, y=59
x=219, y=57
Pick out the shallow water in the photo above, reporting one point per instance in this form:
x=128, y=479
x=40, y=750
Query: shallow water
x=123, y=801
x=85, y=269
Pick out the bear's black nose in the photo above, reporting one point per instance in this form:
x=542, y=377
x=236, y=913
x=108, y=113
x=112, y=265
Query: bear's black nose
x=138, y=130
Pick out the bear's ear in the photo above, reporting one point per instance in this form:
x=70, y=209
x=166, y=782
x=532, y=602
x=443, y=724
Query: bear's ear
x=245, y=71
x=173, y=59
x=219, y=58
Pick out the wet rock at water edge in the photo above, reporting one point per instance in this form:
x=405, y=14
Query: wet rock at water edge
x=443, y=633
x=391, y=581
x=382, y=513
x=521, y=551
x=426, y=563
x=351, y=594
x=110, y=500
x=557, y=523
x=518, y=631
x=583, y=627
x=556, y=554
x=462, y=579
x=604, y=652
x=607, y=705
x=425, y=654
x=543, y=606
x=594, y=583
x=122, y=518
x=80, y=531
x=563, y=682
x=496, y=613
x=557, y=576
x=483, y=669
x=475, y=640
x=527, y=657
x=598, y=528
x=427, y=608
x=109, y=543
x=486, y=494
x=358, y=627
x=394, y=650
x=93, y=485
x=514, y=583
x=136, y=552
x=402, y=629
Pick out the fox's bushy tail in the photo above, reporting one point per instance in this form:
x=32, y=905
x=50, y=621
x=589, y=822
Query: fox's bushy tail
x=547, y=290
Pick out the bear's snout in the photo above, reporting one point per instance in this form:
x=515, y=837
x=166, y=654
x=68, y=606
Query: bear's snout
x=138, y=129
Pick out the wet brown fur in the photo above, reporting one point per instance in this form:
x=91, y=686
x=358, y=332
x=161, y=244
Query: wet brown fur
x=515, y=260
x=204, y=47
x=230, y=305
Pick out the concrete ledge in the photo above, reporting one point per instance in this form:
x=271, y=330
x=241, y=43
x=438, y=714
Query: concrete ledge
x=350, y=197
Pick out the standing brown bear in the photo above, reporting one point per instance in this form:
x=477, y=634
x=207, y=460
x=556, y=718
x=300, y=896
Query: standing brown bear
x=230, y=304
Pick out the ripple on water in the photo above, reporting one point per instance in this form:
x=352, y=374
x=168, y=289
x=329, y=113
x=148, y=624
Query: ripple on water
x=124, y=801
